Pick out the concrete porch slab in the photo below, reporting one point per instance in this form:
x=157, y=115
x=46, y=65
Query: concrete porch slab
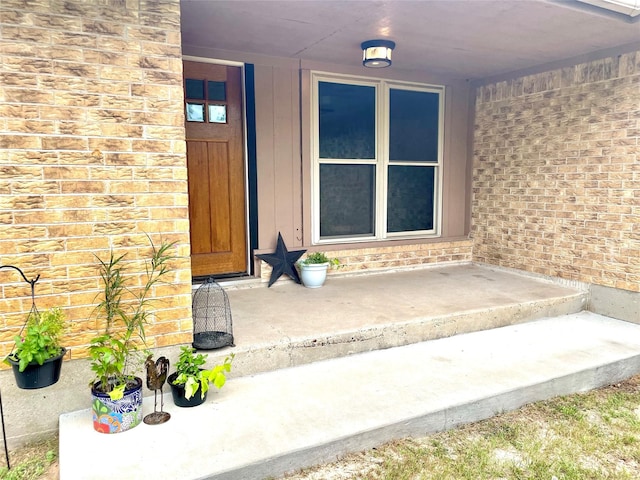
x=266, y=424
x=288, y=325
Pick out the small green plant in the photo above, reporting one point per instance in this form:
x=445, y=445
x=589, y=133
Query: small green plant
x=315, y=258
x=117, y=351
x=191, y=374
x=41, y=340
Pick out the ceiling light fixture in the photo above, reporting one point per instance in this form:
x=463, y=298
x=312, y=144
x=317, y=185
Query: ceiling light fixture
x=377, y=53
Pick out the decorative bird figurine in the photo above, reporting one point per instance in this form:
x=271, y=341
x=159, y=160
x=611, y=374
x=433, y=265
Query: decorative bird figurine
x=156, y=376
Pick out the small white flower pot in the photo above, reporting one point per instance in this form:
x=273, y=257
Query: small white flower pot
x=314, y=275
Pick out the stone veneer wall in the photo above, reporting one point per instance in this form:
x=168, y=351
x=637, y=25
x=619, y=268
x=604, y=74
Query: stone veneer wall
x=371, y=259
x=556, y=176
x=92, y=157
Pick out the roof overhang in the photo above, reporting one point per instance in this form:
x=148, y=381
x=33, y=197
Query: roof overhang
x=452, y=39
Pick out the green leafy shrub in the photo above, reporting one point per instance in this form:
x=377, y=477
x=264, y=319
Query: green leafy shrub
x=117, y=351
x=191, y=374
x=41, y=340
x=315, y=258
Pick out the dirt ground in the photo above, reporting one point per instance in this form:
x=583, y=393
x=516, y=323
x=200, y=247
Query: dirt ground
x=42, y=450
x=52, y=473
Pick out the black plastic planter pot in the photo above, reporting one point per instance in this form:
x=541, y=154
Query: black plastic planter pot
x=177, y=391
x=38, y=376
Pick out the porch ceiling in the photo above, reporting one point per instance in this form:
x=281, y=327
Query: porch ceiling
x=463, y=39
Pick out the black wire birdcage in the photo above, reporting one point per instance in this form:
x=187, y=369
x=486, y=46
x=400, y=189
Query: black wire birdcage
x=212, y=327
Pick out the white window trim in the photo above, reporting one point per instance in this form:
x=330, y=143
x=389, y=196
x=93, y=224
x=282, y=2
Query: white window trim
x=381, y=160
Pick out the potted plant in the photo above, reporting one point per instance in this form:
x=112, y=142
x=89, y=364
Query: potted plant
x=313, y=269
x=119, y=350
x=190, y=382
x=37, y=357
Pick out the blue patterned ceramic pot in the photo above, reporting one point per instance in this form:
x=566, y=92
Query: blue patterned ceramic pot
x=115, y=416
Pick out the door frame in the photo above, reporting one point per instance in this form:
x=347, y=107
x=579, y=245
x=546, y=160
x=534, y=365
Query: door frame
x=248, y=150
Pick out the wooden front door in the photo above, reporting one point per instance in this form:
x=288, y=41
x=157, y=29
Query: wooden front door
x=215, y=166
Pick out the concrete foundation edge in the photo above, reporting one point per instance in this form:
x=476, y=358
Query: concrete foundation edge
x=615, y=303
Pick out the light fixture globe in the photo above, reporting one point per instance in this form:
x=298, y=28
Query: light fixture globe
x=377, y=53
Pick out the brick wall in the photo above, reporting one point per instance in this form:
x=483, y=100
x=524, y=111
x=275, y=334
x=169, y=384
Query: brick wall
x=92, y=157
x=360, y=260
x=556, y=177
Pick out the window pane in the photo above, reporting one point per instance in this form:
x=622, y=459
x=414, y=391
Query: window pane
x=347, y=200
x=216, y=91
x=347, y=121
x=410, y=198
x=413, y=126
x=194, y=89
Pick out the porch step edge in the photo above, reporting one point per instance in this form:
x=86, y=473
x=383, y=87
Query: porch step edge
x=436, y=421
x=265, y=425
x=295, y=351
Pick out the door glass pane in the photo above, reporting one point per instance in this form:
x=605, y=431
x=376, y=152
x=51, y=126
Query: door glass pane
x=194, y=89
x=347, y=200
x=195, y=112
x=410, y=198
x=216, y=91
x=218, y=113
x=347, y=121
x=413, y=126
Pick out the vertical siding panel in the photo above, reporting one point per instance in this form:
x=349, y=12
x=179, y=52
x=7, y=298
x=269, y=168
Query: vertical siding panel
x=296, y=156
x=278, y=146
x=265, y=155
x=283, y=160
x=457, y=161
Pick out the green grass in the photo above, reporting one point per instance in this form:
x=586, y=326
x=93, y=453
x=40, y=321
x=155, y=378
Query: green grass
x=590, y=436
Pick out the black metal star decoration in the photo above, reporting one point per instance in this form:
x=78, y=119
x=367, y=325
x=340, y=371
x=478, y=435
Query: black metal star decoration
x=282, y=261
